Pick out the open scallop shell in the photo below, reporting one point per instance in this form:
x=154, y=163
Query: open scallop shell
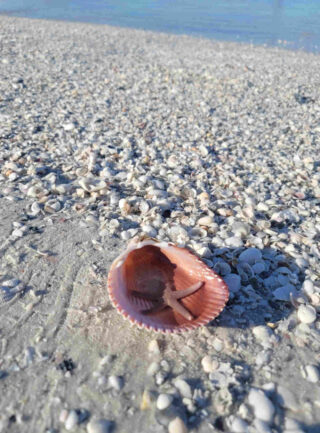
x=146, y=268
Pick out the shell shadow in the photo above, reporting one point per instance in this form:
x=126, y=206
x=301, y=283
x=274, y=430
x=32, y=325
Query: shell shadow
x=190, y=417
x=252, y=300
x=314, y=428
x=231, y=396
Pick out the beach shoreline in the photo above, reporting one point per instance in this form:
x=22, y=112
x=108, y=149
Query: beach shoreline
x=107, y=133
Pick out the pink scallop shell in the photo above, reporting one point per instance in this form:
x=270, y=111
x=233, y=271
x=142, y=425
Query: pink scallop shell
x=146, y=262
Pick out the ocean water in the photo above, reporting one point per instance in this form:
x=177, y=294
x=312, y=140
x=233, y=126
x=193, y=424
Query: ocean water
x=293, y=24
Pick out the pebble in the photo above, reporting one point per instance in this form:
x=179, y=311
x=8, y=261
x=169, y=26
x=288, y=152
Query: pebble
x=263, y=357
x=269, y=387
x=204, y=252
x=99, y=426
x=206, y=221
x=68, y=126
x=223, y=399
x=164, y=401
x=237, y=425
x=233, y=281
x=204, y=151
x=63, y=415
x=146, y=400
x=115, y=382
x=52, y=206
x=178, y=235
x=35, y=208
x=234, y=242
x=262, y=333
x=283, y=293
x=307, y=314
x=287, y=398
x=308, y=287
x=244, y=411
x=160, y=377
x=259, y=267
x=18, y=233
x=298, y=430
x=35, y=191
x=153, y=347
x=183, y=387
x=149, y=230
x=222, y=268
x=72, y=420
x=153, y=368
x=261, y=426
x=124, y=206
x=105, y=361
x=102, y=381
x=218, y=345
x=291, y=424
x=241, y=229
x=250, y=256
x=315, y=300
x=92, y=184
x=310, y=373
x=262, y=406
x=262, y=207
x=209, y=364
x=177, y=426
x=29, y=356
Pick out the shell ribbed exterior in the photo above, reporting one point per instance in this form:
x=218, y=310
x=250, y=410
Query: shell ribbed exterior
x=205, y=304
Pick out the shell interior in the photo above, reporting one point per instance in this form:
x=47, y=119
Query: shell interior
x=146, y=268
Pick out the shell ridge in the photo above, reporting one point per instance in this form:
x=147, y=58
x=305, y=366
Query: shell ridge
x=204, y=304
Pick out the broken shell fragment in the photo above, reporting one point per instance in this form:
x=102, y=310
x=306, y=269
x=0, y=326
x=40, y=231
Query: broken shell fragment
x=164, y=288
x=91, y=184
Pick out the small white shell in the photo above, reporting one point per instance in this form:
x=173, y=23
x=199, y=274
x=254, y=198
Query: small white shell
x=91, y=184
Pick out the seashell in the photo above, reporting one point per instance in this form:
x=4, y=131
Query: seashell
x=149, y=230
x=198, y=232
x=124, y=206
x=164, y=288
x=206, y=221
x=178, y=234
x=222, y=267
x=8, y=172
x=35, y=209
x=250, y=256
x=36, y=191
x=245, y=271
x=52, y=206
x=240, y=229
x=204, y=198
x=62, y=188
x=11, y=167
x=91, y=184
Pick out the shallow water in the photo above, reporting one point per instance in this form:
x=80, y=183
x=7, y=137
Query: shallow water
x=290, y=23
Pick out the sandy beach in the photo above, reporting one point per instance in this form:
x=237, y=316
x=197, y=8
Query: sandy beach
x=109, y=133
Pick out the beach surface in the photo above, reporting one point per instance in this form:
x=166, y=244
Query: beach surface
x=107, y=133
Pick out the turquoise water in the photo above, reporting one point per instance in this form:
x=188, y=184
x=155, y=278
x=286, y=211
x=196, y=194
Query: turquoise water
x=291, y=23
